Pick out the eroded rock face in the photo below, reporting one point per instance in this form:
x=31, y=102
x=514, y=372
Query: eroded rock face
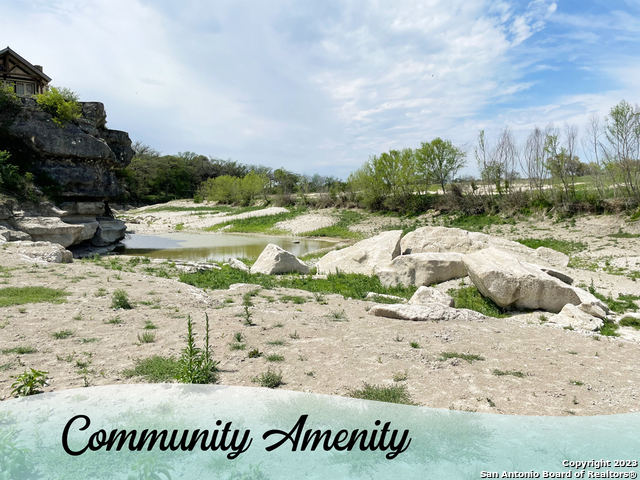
x=274, y=260
x=80, y=157
x=443, y=239
x=501, y=277
x=109, y=231
x=422, y=269
x=50, y=229
x=434, y=312
x=363, y=257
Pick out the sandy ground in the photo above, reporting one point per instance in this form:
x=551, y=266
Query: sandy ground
x=330, y=344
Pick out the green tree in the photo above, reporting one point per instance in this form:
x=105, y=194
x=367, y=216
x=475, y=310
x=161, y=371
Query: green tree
x=439, y=161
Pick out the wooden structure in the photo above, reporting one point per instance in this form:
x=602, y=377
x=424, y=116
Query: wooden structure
x=25, y=78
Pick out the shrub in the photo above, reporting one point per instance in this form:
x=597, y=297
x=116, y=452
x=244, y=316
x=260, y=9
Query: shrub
x=120, y=299
x=269, y=379
x=61, y=103
x=9, y=100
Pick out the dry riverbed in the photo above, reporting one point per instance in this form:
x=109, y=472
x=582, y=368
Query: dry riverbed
x=329, y=344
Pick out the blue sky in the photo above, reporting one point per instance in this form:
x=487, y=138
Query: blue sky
x=319, y=86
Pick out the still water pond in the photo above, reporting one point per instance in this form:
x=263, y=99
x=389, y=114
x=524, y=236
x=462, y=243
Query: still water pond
x=213, y=247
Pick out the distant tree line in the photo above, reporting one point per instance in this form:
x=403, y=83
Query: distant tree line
x=545, y=171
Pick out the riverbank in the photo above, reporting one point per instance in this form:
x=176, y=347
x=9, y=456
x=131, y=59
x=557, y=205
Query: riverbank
x=324, y=343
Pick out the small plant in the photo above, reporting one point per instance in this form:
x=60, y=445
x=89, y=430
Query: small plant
x=62, y=334
x=338, y=316
x=89, y=340
x=269, y=379
x=196, y=365
x=147, y=337
x=148, y=325
x=20, y=350
x=543, y=319
x=278, y=325
x=490, y=402
x=179, y=226
x=237, y=346
x=571, y=352
x=515, y=373
x=379, y=393
x=114, y=321
x=247, y=316
x=319, y=298
x=294, y=335
x=464, y=356
x=278, y=343
x=275, y=358
x=22, y=310
x=120, y=299
x=78, y=317
x=28, y=383
x=255, y=353
x=295, y=299
x=398, y=338
x=576, y=382
x=310, y=374
x=400, y=376
x=102, y=292
x=414, y=345
x=238, y=337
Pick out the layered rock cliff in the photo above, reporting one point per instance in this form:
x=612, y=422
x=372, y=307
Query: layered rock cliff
x=79, y=159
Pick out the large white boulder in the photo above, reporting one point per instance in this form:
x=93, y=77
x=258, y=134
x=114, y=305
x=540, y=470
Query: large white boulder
x=435, y=312
x=422, y=269
x=50, y=229
x=443, y=239
x=364, y=256
x=43, y=252
x=237, y=264
x=274, y=260
x=429, y=295
x=509, y=282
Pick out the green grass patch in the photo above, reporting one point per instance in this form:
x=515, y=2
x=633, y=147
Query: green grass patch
x=630, y=322
x=379, y=393
x=264, y=224
x=609, y=329
x=275, y=358
x=62, y=334
x=564, y=246
x=22, y=350
x=624, y=235
x=348, y=285
x=21, y=295
x=470, y=298
x=341, y=228
x=621, y=305
x=293, y=298
x=120, y=299
x=464, y=356
x=216, y=209
x=155, y=369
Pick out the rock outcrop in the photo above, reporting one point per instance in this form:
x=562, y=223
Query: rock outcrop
x=575, y=317
x=78, y=160
x=434, y=312
x=443, y=239
x=422, y=269
x=274, y=260
x=363, y=257
x=80, y=157
x=510, y=283
x=429, y=295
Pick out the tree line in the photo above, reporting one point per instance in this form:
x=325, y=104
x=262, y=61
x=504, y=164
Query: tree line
x=544, y=169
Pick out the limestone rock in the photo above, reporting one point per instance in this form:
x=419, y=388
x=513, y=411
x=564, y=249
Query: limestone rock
x=274, y=260
x=574, y=317
x=81, y=156
x=237, y=264
x=420, y=313
x=501, y=277
x=374, y=296
x=44, y=252
x=364, y=256
x=49, y=229
x=89, y=225
x=422, y=269
x=109, y=231
x=443, y=239
x=429, y=295
x=10, y=234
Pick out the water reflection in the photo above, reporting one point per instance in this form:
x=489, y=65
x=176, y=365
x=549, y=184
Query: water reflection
x=213, y=247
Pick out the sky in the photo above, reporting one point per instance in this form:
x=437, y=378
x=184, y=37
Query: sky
x=320, y=86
